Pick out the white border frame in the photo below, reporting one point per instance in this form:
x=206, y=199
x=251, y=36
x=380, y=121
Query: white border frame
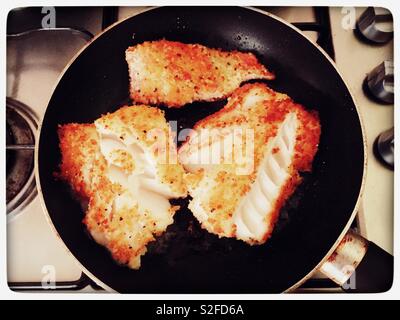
x=6, y=293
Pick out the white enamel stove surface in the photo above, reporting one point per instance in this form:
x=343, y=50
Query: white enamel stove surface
x=355, y=59
x=32, y=248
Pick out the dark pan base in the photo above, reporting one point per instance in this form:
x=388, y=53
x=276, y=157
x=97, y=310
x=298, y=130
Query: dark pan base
x=186, y=259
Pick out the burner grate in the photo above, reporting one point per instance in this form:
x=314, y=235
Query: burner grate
x=21, y=125
x=322, y=26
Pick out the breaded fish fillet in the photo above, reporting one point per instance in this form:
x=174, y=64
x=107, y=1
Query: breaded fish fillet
x=126, y=185
x=174, y=74
x=245, y=161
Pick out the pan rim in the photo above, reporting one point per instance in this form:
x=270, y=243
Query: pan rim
x=330, y=251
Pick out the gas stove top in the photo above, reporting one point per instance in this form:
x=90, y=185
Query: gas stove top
x=36, y=260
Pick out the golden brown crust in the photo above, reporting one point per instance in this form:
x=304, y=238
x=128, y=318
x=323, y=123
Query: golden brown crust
x=125, y=228
x=263, y=112
x=83, y=167
x=81, y=158
x=174, y=74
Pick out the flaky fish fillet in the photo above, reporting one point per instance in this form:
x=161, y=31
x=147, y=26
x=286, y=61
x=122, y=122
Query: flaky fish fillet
x=237, y=193
x=110, y=166
x=174, y=74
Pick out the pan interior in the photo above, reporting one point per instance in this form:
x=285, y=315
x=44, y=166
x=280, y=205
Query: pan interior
x=187, y=258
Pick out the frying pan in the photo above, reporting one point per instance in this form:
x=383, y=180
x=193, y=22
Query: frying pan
x=187, y=259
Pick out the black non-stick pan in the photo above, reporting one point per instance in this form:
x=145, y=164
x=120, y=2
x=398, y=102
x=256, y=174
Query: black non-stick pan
x=187, y=258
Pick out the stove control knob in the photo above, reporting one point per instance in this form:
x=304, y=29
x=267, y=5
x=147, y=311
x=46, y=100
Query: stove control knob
x=384, y=148
x=376, y=25
x=379, y=83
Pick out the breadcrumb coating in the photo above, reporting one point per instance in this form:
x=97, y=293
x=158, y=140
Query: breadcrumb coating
x=122, y=217
x=286, y=138
x=174, y=73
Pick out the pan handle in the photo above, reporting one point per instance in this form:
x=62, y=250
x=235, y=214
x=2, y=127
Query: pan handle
x=359, y=265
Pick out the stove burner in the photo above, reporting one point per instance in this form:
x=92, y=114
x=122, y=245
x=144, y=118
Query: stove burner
x=21, y=125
